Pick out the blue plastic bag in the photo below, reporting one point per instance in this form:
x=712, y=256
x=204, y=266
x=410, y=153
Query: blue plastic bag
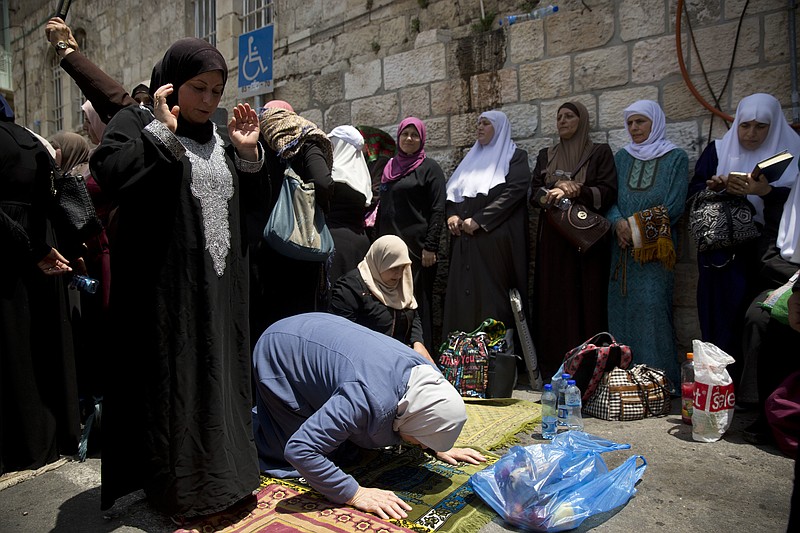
x=556, y=486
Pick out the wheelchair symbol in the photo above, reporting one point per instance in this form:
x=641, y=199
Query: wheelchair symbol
x=253, y=62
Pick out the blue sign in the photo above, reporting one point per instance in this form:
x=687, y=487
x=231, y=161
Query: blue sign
x=255, y=62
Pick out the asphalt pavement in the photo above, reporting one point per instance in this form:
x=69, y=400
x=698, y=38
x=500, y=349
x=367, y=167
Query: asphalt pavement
x=688, y=486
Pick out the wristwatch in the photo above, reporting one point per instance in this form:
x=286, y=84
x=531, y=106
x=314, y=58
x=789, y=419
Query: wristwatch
x=63, y=45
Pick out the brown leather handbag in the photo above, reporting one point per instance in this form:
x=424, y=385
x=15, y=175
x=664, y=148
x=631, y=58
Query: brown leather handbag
x=580, y=226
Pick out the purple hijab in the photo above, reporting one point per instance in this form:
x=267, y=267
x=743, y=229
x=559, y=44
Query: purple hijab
x=401, y=164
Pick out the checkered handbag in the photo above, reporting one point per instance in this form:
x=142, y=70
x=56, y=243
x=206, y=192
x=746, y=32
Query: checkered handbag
x=630, y=394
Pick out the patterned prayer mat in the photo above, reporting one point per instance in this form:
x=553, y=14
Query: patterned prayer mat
x=439, y=494
x=494, y=423
x=441, y=498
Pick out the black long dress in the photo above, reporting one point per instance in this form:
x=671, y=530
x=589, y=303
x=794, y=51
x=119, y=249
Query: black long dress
x=177, y=418
x=485, y=265
x=38, y=387
x=346, y=223
x=412, y=207
x=570, y=289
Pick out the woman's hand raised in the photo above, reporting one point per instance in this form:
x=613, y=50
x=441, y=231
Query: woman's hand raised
x=162, y=112
x=243, y=131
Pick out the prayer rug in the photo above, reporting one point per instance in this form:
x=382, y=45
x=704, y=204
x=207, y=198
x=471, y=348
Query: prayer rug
x=494, y=423
x=440, y=495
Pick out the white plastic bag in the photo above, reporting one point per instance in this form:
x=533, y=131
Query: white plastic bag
x=713, y=392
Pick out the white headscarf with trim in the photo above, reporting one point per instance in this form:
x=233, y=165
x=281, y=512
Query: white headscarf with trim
x=349, y=165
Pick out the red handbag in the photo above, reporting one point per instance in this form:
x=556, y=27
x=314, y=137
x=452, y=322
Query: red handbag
x=587, y=363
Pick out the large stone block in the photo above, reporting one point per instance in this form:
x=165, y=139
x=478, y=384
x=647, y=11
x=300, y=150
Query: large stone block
x=296, y=92
x=375, y=110
x=449, y=97
x=463, y=129
x=524, y=119
x=579, y=29
x=686, y=135
x=356, y=41
x=314, y=115
x=433, y=36
x=716, y=45
x=776, y=41
x=309, y=14
x=313, y=58
x=600, y=69
x=654, y=60
x=613, y=102
x=701, y=13
x=415, y=102
x=549, y=78
x=526, y=41
x=448, y=159
x=337, y=115
x=327, y=88
x=733, y=8
x=363, y=80
x=618, y=139
x=549, y=110
x=774, y=80
x=495, y=88
x=438, y=133
x=680, y=103
x=414, y=67
x=641, y=18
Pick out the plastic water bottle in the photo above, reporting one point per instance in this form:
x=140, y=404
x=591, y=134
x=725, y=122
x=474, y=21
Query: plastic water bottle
x=533, y=15
x=687, y=388
x=549, y=420
x=573, y=398
x=561, y=401
x=84, y=284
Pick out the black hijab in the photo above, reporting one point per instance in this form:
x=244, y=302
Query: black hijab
x=182, y=61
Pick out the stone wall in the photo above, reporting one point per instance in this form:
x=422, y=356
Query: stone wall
x=376, y=61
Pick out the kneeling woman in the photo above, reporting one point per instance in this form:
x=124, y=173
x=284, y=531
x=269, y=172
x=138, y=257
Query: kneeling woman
x=323, y=381
x=379, y=294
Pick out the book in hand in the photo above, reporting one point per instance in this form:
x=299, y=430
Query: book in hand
x=773, y=167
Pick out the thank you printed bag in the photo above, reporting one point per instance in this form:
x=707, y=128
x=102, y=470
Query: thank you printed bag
x=464, y=358
x=587, y=363
x=630, y=394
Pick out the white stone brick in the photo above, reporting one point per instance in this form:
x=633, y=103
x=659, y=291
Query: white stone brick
x=716, y=44
x=314, y=115
x=438, y=133
x=463, y=129
x=415, y=102
x=433, y=36
x=375, y=110
x=687, y=136
x=549, y=78
x=337, y=115
x=524, y=119
x=774, y=80
x=422, y=65
x=362, y=80
x=600, y=69
x=641, y=18
x=654, y=59
x=526, y=41
x=579, y=29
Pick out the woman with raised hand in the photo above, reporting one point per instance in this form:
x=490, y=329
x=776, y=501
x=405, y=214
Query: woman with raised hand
x=176, y=416
x=487, y=219
x=653, y=176
x=570, y=287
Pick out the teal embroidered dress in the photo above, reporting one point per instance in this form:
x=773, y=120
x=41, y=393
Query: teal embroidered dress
x=640, y=295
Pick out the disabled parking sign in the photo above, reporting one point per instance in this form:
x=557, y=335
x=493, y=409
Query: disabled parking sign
x=255, y=62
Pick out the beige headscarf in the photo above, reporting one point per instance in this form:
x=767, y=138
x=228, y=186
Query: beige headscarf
x=388, y=252
x=285, y=132
x=431, y=410
x=567, y=154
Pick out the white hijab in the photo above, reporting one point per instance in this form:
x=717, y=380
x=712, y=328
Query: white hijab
x=733, y=158
x=484, y=166
x=789, y=228
x=349, y=165
x=431, y=410
x=656, y=143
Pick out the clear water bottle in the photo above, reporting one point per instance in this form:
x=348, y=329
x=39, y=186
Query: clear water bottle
x=549, y=420
x=533, y=15
x=573, y=399
x=84, y=284
x=561, y=399
x=687, y=388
